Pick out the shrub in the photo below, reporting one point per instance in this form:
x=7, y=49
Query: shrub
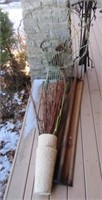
x=13, y=64
x=7, y=39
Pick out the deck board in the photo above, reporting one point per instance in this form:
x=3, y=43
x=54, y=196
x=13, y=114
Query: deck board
x=97, y=113
x=92, y=168
x=88, y=162
x=59, y=192
x=18, y=179
x=97, y=56
x=30, y=177
x=78, y=191
x=96, y=47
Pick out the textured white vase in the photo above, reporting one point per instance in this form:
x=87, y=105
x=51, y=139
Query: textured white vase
x=45, y=163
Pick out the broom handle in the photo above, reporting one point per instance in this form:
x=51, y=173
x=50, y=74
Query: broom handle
x=69, y=97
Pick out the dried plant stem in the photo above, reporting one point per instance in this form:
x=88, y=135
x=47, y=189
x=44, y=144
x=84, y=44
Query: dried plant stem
x=60, y=113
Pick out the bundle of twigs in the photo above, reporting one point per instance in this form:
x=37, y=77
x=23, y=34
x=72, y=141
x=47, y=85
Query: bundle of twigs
x=51, y=102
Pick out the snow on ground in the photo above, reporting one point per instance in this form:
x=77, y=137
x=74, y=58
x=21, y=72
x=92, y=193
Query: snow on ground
x=37, y=84
x=9, y=132
x=8, y=143
x=9, y=136
x=16, y=99
x=31, y=115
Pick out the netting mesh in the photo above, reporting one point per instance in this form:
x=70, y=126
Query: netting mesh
x=52, y=40
x=52, y=48
x=56, y=53
x=51, y=57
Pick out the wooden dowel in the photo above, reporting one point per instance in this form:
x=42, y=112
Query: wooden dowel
x=68, y=169
x=64, y=126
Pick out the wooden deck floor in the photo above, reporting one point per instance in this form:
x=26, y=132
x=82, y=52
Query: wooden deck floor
x=88, y=163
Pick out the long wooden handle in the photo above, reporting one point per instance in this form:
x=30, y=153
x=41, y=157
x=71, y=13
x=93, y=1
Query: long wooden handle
x=63, y=135
x=67, y=176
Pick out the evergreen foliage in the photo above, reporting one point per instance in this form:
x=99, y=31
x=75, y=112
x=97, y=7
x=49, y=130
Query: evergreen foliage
x=13, y=62
x=6, y=37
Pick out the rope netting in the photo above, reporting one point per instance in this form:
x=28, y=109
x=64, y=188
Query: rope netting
x=53, y=46
x=52, y=37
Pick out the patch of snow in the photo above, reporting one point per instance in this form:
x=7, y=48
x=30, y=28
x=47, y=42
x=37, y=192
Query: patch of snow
x=8, y=143
x=23, y=110
x=22, y=92
x=37, y=84
x=16, y=99
x=30, y=120
x=2, y=93
x=2, y=73
x=8, y=126
x=9, y=137
x=18, y=124
x=5, y=168
x=31, y=115
x=0, y=167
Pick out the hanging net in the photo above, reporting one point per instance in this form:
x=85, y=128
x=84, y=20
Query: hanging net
x=53, y=50
x=51, y=32
x=50, y=40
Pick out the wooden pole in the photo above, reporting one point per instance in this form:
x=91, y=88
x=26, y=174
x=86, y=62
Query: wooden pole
x=68, y=169
x=63, y=131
